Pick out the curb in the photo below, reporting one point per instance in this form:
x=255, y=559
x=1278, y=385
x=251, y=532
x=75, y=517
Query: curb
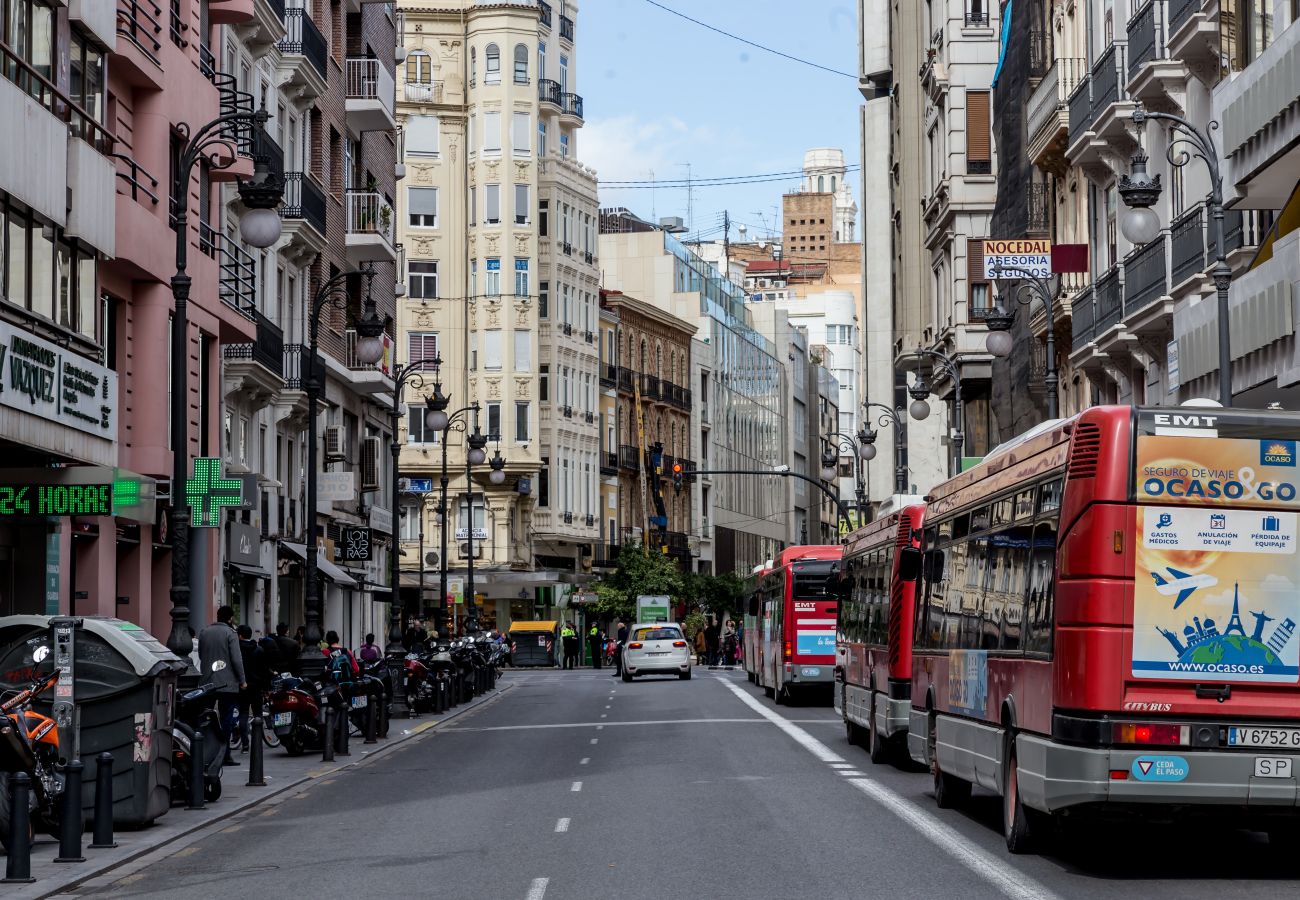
x=112, y=865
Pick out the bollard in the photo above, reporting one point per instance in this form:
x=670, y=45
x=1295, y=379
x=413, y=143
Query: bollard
x=18, y=864
x=256, y=745
x=343, y=729
x=327, y=747
x=197, y=767
x=440, y=696
x=70, y=824
x=385, y=713
x=372, y=717
x=102, y=838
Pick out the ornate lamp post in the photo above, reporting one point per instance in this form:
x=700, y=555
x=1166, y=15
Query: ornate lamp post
x=1024, y=287
x=369, y=350
x=1141, y=225
x=213, y=143
x=861, y=450
x=867, y=438
x=920, y=392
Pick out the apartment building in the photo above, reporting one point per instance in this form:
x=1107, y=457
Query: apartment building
x=498, y=219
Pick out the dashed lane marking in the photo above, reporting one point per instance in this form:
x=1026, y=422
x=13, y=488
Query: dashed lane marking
x=537, y=890
x=577, y=786
x=584, y=760
x=561, y=826
x=595, y=741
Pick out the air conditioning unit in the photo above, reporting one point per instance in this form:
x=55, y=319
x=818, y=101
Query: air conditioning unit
x=431, y=559
x=371, y=448
x=478, y=550
x=336, y=445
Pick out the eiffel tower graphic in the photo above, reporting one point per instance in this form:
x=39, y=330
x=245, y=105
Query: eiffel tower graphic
x=1235, y=622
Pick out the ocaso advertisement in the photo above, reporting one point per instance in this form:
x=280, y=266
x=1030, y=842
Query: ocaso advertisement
x=1216, y=593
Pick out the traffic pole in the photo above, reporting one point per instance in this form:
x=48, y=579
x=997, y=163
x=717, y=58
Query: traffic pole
x=102, y=839
x=70, y=825
x=18, y=864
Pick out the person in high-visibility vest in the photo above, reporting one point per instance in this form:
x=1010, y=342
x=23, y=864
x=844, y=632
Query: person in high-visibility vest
x=569, y=638
x=596, y=643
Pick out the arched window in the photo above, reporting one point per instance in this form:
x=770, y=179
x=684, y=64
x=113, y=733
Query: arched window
x=832, y=184
x=492, y=65
x=643, y=356
x=473, y=65
x=419, y=68
x=659, y=360
x=521, y=64
x=821, y=184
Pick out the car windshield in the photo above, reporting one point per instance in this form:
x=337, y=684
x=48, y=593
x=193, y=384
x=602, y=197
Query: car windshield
x=657, y=634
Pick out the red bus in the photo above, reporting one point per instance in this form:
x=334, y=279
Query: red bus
x=873, y=646
x=793, y=606
x=752, y=622
x=1105, y=621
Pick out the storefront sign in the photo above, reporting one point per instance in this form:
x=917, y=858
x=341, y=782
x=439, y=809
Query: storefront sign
x=381, y=520
x=207, y=492
x=1032, y=257
x=336, y=487
x=52, y=573
x=56, y=499
x=46, y=380
x=245, y=544
x=480, y=534
x=455, y=591
x=355, y=541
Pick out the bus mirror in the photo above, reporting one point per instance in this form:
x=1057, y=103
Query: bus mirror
x=909, y=564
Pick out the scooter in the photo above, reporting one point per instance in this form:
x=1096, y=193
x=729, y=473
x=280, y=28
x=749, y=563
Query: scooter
x=296, y=714
x=195, y=715
x=29, y=742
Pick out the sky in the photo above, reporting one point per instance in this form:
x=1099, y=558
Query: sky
x=660, y=92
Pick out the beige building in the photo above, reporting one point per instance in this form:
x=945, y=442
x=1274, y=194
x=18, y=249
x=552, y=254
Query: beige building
x=497, y=219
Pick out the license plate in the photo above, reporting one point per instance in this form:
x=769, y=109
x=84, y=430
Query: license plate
x=810, y=671
x=280, y=720
x=1250, y=736
x=657, y=653
x=360, y=702
x=1272, y=767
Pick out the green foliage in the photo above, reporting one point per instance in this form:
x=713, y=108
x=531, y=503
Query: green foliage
x=637, y=573
x=716, y=594
x=695, y=623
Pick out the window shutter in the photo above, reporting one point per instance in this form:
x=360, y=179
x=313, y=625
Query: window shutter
x=493, y=203
x=522, y=132
x=492, y=130
x=423, y=201
x=979, y=154
x=975, y=261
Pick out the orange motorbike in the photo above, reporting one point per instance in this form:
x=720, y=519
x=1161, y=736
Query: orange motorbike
x=29, y=742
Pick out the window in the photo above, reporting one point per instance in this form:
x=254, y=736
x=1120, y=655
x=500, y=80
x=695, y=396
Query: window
x=492, y=215
x=543, y=217
x=522, y=204
x=492, y=65
x=416, y=431
x=473, y=205
x=494, y=421
x=544, y=484
x=494, y=277
x=86, y=79
x=492, y=132
x=541, y=59
x=521, y=64
x=492, y=349
x=521, y=130
x=409, y=522
x=480, y=518
x=521, y=420
x=544, y=383
x=422, y=205
x=839, y=334
x=564, y=74
x=521, y=278
x=422, y=346
x=541, y=137
x=523, y=350
x=544, y=300
x=422, y=135
x=473, y=277
x=422, y=279
x=473, y=65
x=979, y=298
x=564, y=145
x=979, y=158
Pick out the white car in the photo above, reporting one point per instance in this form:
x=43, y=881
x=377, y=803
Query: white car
x=656, y=648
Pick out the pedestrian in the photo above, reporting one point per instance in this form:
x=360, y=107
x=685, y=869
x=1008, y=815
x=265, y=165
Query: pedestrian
x=251, y=655
x=569, y=638
x=342, y=664
x=301, y=637
x=596, y=643
x=369, y=651
x=621, y=632
x=700, y=647
x=729, y=643
x=290, y=649
x=711, y=635
x=223, y=667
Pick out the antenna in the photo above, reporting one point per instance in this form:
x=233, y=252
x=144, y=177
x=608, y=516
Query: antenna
x=690, y=198
x=654, y=216
x=726, y=243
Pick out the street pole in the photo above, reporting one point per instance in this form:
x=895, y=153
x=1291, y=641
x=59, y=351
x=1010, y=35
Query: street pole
x=888, y=415
x=920, y=390
x=784, y=472
x=262, y=193
x=1000, y=320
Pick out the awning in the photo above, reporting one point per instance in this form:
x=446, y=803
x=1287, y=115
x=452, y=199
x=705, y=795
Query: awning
x=412, y=580
x=323, y=565
x=251, y=571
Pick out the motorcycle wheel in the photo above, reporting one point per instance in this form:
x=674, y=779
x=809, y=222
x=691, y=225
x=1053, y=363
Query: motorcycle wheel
x=292, y=744
x=269, y=737
x=212, y=790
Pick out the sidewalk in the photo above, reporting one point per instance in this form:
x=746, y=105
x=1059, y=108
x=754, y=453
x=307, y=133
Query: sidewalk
x=282, y=773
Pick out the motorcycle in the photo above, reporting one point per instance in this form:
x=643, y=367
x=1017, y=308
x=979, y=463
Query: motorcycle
x=296, y=713
x=378, y=678
x=195, y=715
x=29, y=742
x=427, y=674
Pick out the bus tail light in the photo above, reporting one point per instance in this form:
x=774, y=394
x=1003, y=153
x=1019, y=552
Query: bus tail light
x=1119, y=774
x=635, y=645
x=789, y=652
x=679, y=643
x=1154, y=733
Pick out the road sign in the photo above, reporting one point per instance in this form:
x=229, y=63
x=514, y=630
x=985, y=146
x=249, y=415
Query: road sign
x=207, y=493
x=1033, y=257
x=355, y=541
x=652, y=607
x=416, y=485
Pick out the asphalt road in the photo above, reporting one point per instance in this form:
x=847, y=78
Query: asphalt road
x=576, y=785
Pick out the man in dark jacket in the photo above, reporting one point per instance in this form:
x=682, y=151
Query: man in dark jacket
x=255, y=672
x=223, y=667
x=618, y=651
x=289, y=648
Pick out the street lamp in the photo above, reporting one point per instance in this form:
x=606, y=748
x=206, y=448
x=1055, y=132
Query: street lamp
x=861, y=450
x=369, y=349
x=867, y=437
x=1024, y=287
x=498, y=465
x=920, y=391
x=1141, y=225
x=213, y=143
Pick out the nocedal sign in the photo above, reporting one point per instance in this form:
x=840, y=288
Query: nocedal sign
x=1213, y=484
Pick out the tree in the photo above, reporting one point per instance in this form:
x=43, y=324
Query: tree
x=717, y=594
x=638, y=573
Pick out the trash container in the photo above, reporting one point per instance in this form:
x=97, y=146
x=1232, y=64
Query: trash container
x=124, y=685
x=534, y=643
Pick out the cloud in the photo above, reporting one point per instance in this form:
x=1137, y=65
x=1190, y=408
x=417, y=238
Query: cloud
x=628, y=148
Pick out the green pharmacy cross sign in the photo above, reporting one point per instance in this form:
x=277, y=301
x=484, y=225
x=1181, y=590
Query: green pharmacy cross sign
x=207, y=493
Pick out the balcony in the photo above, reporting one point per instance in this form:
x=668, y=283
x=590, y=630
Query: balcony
x=568, y=518
x=139, y=24
x=1040, y=210
x=649, y=387
x=134, y=181
x=1153, y=77
x=305, y=54
x=608, y=375
x=369, y=227
x=567, y=329
x=1111, y=105
x=566, y=29
x=548, y=91
x=609, y=464
x=571, y=106
x=606, y=556
x=237, y=282
x=1261, y=125
x=625, y=379
x=566, y=411
x=1192, y=37
x=255, y=370
x=1080, y=104
x=1146, y=284
x=1048, y=115
x=368, y=378
x=1083, y=317
x=370, y=95
x=1187, y=242
x=303, y=211
x=423, y=92
x=546, y=13
x=629, y=459
x=1109, y=291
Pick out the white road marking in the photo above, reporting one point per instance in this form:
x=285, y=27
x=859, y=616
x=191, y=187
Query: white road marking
x=595, y=740
x=577, y=786
x=603, y=724
x=603, y=715
x=852, y=773
x=607, y=706
x=841, y=765
x=537, y=890
x=584, y=760
x=561, y=826
x=995, y=870
x=600, y=727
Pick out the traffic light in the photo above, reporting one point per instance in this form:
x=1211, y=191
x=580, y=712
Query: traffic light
x=677, y=477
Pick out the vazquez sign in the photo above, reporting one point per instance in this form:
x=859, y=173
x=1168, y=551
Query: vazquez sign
x=43, y=380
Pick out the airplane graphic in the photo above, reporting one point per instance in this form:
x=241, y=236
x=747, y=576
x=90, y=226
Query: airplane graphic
x=1181, y=584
